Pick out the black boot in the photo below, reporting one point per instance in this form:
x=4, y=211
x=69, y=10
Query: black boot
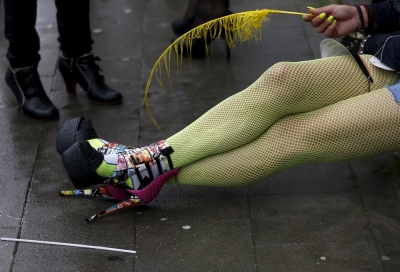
x=28, y=89
x=181, y=26
x=84, y=71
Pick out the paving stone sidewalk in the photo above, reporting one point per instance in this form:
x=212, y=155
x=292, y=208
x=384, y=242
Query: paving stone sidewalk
x=317, y=217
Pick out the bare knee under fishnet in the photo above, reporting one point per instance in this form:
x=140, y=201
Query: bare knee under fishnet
x=358, y=127
x=284, y=89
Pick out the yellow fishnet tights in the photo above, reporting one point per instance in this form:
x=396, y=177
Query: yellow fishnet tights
x=294, y=113
x=357, y=127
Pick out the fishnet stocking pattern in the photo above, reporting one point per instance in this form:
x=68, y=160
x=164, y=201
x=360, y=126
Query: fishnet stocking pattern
x=284, y=89
x=358, y=127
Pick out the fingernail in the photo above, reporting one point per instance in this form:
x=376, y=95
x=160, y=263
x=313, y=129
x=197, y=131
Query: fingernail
x=311, y=8
x=334, y=23
x=331, y=19
x=304, y=17
x=322, y=15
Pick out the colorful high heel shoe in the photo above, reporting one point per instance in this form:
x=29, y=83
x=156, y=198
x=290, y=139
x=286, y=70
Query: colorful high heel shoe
x=84, y=71
x=81, y=161
x=80, y=129
x=126, y=198
x=72, y=131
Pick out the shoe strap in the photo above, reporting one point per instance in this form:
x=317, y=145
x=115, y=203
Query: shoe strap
x=150, y=192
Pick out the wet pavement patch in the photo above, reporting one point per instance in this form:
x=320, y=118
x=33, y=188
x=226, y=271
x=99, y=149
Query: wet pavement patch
x=115, y=259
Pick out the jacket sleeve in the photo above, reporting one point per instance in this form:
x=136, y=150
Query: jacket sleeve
x=385, y=47
x=387, y=15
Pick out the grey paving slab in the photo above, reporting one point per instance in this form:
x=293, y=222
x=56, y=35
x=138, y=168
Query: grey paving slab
x=18, y=155
x=120, y=27
x=17, y=128
x=48, y=62
x=71, y=260
x=382, y=201
x=46, y=27
x=300, y=218
x=319, y=256
x=303, y=228
x=12, y=202
x=7, y=248
x=206, y=246
x=386, y=232
x=242, y=5
x=46, y=13
x=306, y=179
x=66, y=216
x=197, y=203
x=315, y=46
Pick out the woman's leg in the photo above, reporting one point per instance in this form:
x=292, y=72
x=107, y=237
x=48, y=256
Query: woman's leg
x=284, y=89
x=77, y=64
x=207, y=10
x=73, y=22
x=358, y=127
x=23, y=54
x=190, y=10
x=198, y=12
x=19, y=29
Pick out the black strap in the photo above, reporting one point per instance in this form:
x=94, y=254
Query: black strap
x=171, y=166
x=371, y=19
x=166, y=152
x=362, y=67
x=149, y=171
x=361, y=16
x=159, y=165
x=139, y=175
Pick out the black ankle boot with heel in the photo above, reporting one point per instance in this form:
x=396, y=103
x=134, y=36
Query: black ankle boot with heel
x=31, y=96
x=181, y=26
x=84, y=71
x=198, y=48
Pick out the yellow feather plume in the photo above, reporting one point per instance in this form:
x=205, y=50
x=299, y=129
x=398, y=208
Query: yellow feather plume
x=235, y=27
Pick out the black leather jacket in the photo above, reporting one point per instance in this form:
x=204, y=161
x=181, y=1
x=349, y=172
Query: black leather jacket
x=387, y=17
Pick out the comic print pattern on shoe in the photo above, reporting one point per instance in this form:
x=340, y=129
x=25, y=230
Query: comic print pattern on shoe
x=136, y=168
x=114, y=148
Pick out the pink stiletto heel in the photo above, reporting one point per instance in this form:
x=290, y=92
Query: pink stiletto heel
x=132, y=201
x=126, y=197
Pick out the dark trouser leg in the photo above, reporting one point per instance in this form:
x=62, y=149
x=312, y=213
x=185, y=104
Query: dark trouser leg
x=19, y=25
x=23, y=53
x=77, y=64
x=74, y=27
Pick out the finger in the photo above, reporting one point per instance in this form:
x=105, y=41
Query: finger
x=318, y=20
x=308, y=18
x=323, y=28
x=331, y=31
x=325, y=24
x=318, y=11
